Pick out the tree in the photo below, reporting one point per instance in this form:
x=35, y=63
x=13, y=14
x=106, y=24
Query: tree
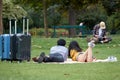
x=72, y=7
x=45, y=17
x=111, y=6
x=11, y=11
x=38, y=4
x=113, y=10
x=113, y=23
x=1, y=25
x=92, y=15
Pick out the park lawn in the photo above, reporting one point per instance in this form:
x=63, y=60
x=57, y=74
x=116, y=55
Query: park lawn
x=79, y=71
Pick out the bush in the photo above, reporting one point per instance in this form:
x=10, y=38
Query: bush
x=113, y=23
x=40, y=32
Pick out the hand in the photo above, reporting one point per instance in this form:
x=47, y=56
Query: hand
x=96, y=36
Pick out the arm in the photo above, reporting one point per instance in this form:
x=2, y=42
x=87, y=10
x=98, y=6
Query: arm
x=66, y=54
x=94, y=30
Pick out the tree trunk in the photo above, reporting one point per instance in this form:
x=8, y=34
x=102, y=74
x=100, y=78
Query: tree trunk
x=45, y=18
x=1, y=25
x=72, y=19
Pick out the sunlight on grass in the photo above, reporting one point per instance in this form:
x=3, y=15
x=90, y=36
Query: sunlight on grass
x=87, y=71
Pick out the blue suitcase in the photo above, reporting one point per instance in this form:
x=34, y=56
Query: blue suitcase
x=6, y=47
x=6, y=44
x=1, y=49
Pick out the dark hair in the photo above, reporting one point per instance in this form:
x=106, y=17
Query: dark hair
x=74, y=45
x=61, y=42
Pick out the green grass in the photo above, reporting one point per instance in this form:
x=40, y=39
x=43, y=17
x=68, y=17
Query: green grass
x=80, y=71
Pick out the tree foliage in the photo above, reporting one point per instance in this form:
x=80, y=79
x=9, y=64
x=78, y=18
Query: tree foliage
x=111, y=6
x=113, y=23
x=92, y=15
x=11, y=10
x=60, y=12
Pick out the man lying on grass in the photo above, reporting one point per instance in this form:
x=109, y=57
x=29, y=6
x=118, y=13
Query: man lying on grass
x=58, y=53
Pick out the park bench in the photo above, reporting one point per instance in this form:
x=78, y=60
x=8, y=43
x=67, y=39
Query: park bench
x=83, y=29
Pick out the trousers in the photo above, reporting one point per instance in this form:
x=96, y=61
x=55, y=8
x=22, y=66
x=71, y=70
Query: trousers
x=56, y=57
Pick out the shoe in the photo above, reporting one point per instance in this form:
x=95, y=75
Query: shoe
x=41, y=57
x=91, y=44
x=112, y=58
x=101, y=42
x=35, y=59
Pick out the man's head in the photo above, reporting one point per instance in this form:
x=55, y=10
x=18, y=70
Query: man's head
x=61, y=42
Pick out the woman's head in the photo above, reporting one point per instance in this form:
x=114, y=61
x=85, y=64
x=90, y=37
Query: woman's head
x=74, y=45
x=102, y=25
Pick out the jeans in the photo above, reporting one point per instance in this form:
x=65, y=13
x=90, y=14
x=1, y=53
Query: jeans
x=56, y=57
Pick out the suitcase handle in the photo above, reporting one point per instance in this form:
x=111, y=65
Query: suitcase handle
x=25, y=19
x=15, y=23
x=27, y=26
x=10, y=27
x=10, y=30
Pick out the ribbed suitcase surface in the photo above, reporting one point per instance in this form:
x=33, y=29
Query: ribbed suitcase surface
x=13, y=48
x=6, y=46
x=1, y=46
x=23, y=45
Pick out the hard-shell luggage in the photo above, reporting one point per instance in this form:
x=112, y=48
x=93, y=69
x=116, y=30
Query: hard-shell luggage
x=16, y=47
x=6, y=43
x=1, y=49
x=13, y=47
x=21, y=45
x=6, y=47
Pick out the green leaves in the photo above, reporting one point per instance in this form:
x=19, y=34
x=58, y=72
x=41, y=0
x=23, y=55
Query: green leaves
x=11, y=10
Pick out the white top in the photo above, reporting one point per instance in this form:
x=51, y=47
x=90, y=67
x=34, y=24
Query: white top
x=100, y=32
x=60, y=49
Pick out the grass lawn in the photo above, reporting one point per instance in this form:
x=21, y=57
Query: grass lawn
x=79, y=71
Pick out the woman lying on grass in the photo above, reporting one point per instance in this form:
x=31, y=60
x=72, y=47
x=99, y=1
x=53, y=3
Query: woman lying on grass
x=76, y=53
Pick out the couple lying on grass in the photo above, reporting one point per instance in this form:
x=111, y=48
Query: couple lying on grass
x=60, y=53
